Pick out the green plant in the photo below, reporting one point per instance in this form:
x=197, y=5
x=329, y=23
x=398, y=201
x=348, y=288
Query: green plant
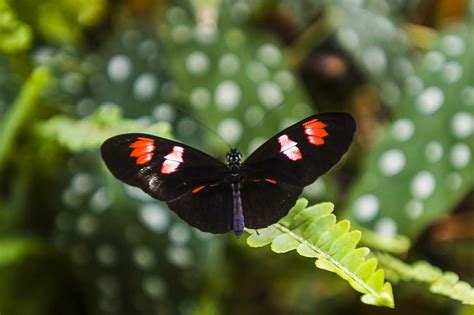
x=314, y=233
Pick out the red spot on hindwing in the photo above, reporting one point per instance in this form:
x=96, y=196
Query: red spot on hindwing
x=289, y=148
x=269, y=180
x=315, y=131
x=172, y=160
x=198, y=189
x=143, y=149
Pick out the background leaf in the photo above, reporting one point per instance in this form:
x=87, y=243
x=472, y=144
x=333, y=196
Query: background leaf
x=426, y=167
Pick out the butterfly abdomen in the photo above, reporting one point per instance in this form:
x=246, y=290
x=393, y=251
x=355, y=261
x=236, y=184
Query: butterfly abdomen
x=238, y=223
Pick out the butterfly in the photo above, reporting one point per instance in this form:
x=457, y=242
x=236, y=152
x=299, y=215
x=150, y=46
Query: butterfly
x=216, y=197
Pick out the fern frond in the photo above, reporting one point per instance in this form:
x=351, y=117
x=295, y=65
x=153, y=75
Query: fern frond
x=90, y=132
x=398, y=244
x=314, y=232
x=441, y=282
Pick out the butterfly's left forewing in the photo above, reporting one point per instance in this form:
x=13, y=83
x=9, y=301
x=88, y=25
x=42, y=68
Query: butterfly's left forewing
x=276, y=173
x=181, y=176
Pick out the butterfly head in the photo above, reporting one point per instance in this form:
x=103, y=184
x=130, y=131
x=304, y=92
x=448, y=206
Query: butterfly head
x=233, y=158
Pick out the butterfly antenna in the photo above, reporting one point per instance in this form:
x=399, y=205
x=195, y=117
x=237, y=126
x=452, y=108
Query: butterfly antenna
x=188, y=113
x=260, y=123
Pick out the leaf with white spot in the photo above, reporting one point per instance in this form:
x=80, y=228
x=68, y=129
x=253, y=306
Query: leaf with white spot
x=381, y=54
x=230, y=69
x=421, y=167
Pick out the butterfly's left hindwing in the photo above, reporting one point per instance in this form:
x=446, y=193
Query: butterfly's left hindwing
x=266, y=201
x=209, y=208
x=164, y=169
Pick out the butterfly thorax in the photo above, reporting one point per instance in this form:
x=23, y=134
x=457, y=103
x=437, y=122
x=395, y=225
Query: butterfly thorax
x=234, y=158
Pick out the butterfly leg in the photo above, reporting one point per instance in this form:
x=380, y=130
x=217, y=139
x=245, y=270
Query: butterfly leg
x=238, y=211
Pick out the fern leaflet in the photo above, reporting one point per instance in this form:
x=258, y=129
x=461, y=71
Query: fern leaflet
x=443, y=283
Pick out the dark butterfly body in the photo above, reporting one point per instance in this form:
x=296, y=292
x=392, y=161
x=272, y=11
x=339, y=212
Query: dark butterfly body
x=217, y=198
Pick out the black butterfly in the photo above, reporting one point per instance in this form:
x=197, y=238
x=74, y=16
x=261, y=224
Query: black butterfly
x=215, y=197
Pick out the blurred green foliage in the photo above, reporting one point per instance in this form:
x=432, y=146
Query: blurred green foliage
x=427, y=166
x=60, y=21
x=90, y=132
x=47, y=274
x=21, y=112
x=444, y=283
x=232, y=74
x=15, y=36
x=75, y=240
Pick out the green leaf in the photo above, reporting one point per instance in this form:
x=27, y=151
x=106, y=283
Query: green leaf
x=15, y=36
x=381, y=55
x=35, y=279
x=441, y=282
x=22, y=110
x=284, y=243
x=397, y=244
x=416, y=173
x=314, y=233
x=14, y=250
x=90, y=132
x=232, y=70
x=62, y=22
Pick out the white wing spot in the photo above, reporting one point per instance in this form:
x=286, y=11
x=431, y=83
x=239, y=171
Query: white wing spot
x=288, y=147
x=172, y=160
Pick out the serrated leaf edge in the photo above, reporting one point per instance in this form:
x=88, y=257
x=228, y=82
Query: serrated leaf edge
x=440, y=282
x=323, y=255
x=376, y=291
